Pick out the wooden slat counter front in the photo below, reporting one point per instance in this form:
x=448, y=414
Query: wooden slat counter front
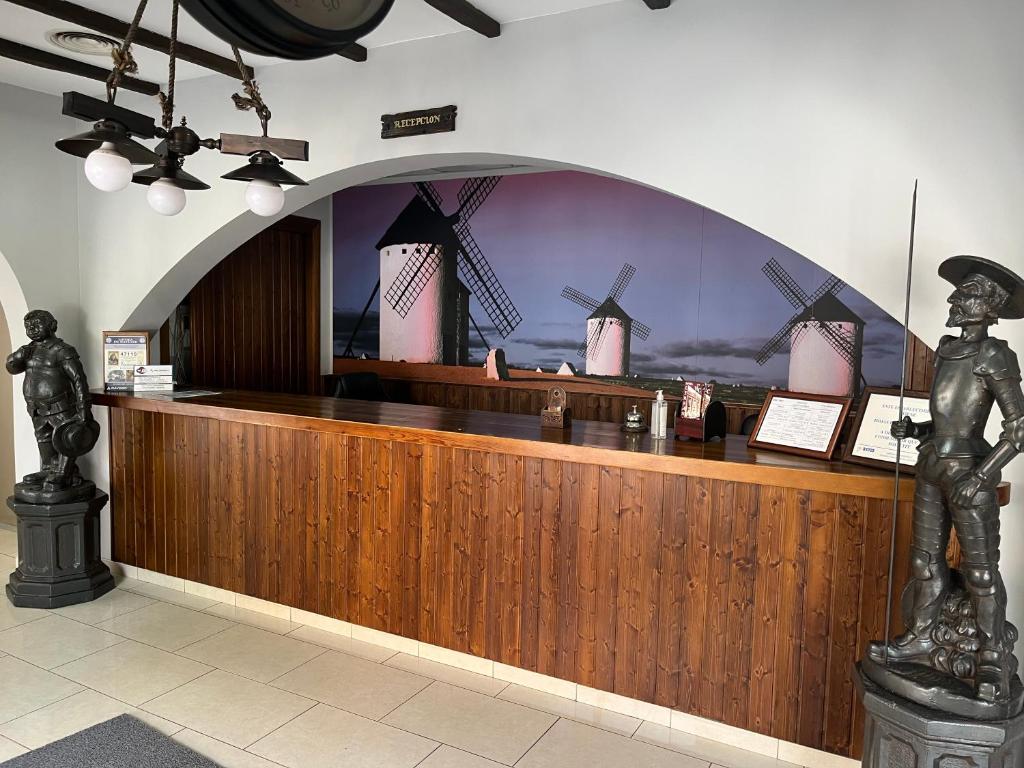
x=731, y=584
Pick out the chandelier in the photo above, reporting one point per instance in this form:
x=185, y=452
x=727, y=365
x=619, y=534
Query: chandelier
x=110, y=151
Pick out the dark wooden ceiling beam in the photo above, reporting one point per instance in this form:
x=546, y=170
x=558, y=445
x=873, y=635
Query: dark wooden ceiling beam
x=113, y=27
x=657, y=5
x=354, y=51
x=37, y=58
x=467, y=15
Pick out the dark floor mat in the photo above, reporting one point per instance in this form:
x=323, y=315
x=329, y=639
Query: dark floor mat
x=123, y=742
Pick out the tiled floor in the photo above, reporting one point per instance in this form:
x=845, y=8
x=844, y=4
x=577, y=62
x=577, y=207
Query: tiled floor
x=251, y=691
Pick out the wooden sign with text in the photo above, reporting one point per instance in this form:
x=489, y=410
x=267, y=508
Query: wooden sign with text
x=435, y=120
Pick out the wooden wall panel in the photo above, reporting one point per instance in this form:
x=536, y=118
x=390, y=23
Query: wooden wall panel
x=742, y=603
x=255, y=317
x=920, y=365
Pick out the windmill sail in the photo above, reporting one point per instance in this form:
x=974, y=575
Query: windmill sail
x=833, y=285
x=640, y=330
x=592, y=346
x=430, y=194
x=839, y=341
x=787, y=286
x=473, y=193
x=622, y=281
x=578, y=297
x=776, y=342
x=410, y=282
x=484, y=284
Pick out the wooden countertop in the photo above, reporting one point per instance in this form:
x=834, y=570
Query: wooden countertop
x=587, y=442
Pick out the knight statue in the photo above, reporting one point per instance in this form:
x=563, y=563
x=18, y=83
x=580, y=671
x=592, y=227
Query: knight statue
x=956, y=654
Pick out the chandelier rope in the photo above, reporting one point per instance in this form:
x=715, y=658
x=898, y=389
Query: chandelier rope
x=253, y=99
x=167, y=101
x=124, y=62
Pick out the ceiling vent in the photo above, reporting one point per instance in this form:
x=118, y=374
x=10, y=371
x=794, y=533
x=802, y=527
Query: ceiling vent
x=88, y=43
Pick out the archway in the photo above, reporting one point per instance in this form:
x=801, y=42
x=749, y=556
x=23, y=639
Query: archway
x=17, y=445
x=186, y=272
x=644, y=210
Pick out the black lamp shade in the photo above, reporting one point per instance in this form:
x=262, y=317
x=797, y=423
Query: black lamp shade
x=83, y=144
x=264, y=166
x=168, y=169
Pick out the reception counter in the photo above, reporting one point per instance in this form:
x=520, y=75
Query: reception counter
x=728, y=583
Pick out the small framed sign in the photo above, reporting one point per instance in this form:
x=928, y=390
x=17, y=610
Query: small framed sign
x=870, y=442
x=123, y=352
x=434, y=120
x=800, y=423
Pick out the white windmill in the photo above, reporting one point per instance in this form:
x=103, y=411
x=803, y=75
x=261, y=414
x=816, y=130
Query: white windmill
x=826, y=337
x=424, y=317
x=609, y=328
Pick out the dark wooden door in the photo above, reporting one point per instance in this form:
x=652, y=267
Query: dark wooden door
x=255, y=317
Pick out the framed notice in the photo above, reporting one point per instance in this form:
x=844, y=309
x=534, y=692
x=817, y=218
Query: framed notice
x=123, y=352
x=870, y=442
x=800, y=423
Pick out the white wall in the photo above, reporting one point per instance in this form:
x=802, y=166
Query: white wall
x=6, y=425
x=806, y=121
x=38, y=231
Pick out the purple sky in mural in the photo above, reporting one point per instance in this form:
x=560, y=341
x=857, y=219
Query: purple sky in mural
x=706, y=300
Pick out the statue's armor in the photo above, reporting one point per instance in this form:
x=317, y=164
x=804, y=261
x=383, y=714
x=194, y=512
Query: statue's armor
x=54, y=381
x=962, y=397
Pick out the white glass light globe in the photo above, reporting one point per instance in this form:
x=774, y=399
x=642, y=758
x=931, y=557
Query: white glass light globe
x=107, y=170
x=264, y=198
x=165, y=197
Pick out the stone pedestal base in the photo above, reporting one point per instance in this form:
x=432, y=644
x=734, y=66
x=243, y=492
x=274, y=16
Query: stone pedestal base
x=901, y=734
x=58, y=554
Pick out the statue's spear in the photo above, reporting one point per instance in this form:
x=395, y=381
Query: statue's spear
x=899, y=443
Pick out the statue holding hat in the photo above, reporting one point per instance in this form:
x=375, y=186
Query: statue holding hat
x=58, y=511
x=57, y=395
x=956, y=654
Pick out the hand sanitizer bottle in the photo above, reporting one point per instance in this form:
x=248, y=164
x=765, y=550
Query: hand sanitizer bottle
x=659, y=417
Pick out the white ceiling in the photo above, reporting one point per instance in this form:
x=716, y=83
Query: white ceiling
x=408, y=20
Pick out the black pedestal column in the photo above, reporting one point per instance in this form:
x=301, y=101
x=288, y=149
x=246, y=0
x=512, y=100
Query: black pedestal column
x=58, y=554
x=901, y=734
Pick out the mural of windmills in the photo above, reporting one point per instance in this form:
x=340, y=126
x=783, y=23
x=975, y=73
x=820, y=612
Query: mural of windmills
x=825, y=336
x=424, y=317
x=609, y=328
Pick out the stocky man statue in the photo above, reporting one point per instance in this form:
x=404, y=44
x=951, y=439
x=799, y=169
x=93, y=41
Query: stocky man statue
x=957, y=475
x=57, y=395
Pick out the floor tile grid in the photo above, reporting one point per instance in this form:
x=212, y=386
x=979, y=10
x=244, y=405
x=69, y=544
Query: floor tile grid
x=539, y=738
x=142, y=706
x=271, y=733
x=325, y=650
x=313, y=643
x=62, y=698
x=44, y=706
x=85, y=687
x=146, y=589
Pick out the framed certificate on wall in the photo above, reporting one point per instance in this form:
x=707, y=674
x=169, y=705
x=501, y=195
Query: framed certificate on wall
x=870, y=442
x=800, y=423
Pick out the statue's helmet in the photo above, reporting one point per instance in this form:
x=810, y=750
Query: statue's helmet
x=958, y=268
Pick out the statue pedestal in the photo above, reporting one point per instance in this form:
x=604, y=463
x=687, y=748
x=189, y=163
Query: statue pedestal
x=58, y=554
x=901, y=734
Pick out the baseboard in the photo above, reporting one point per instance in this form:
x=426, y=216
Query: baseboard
x=708, y=729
